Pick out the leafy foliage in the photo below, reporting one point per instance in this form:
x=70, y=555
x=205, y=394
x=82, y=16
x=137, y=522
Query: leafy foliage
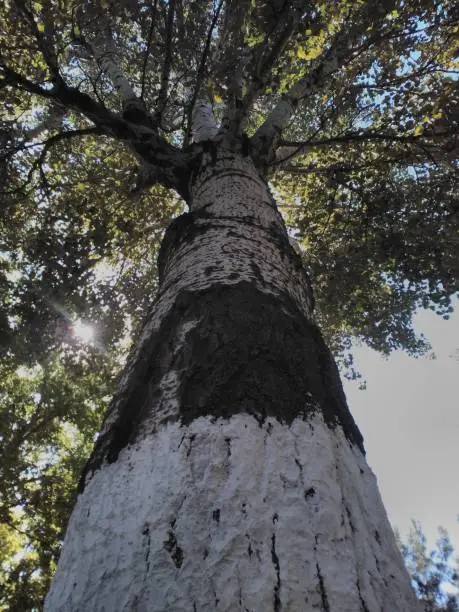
x=434, y=578
x=348, y=108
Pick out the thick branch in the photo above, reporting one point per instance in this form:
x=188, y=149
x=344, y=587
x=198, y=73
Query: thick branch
x=204, y=126
x=231, y=57
x=169, y=162
x=11, y=77
x=267, y=60
x=102, y=48
x=338, y=53
x=104, y=52
x=201, y=73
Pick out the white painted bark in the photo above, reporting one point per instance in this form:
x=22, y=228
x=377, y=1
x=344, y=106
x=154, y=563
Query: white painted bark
x=229, y=514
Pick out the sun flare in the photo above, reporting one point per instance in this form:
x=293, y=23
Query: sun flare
x=82, y=331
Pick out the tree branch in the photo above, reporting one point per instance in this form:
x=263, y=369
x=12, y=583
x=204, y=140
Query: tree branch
x=66, y=135
x=289, y=149
x=102, y=49
x=42, y=38
x=162, y=96
x=147, y=51
x=204, y=126
x=201, y=74
x=339, y=52
x=314, y=169
x=11, y=77
x=170, y=163
x=267, y=61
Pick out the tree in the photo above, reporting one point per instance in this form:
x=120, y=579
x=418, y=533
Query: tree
x=431, y=571
x=229, y=470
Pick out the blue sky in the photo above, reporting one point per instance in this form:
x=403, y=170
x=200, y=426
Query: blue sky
x=409, y=416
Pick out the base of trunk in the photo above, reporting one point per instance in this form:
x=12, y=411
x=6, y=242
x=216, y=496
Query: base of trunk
x=231, y=514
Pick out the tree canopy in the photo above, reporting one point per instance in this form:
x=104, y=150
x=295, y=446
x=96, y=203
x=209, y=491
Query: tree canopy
x=348, y=108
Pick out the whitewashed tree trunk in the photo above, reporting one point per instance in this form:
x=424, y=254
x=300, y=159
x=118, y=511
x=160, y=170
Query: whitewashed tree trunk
x=230, y=474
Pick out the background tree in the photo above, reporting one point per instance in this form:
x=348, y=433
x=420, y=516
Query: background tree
x=364, y=173
x=431, y=572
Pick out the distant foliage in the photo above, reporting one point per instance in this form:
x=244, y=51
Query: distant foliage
x=434, y=574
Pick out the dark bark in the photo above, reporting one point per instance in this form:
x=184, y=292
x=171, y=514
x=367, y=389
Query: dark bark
x=249, y=351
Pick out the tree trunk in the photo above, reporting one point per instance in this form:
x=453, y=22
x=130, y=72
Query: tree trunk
x=229, y=474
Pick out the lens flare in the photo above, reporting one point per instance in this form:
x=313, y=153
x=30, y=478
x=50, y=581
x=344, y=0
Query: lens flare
x=82, y=331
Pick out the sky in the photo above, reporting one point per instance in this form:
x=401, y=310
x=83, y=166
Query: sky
x=409, y=417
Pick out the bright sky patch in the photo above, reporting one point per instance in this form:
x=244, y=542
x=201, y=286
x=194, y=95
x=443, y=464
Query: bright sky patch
x=83, y=331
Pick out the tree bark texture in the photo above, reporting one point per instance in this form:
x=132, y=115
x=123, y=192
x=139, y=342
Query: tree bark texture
x=230, y=474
